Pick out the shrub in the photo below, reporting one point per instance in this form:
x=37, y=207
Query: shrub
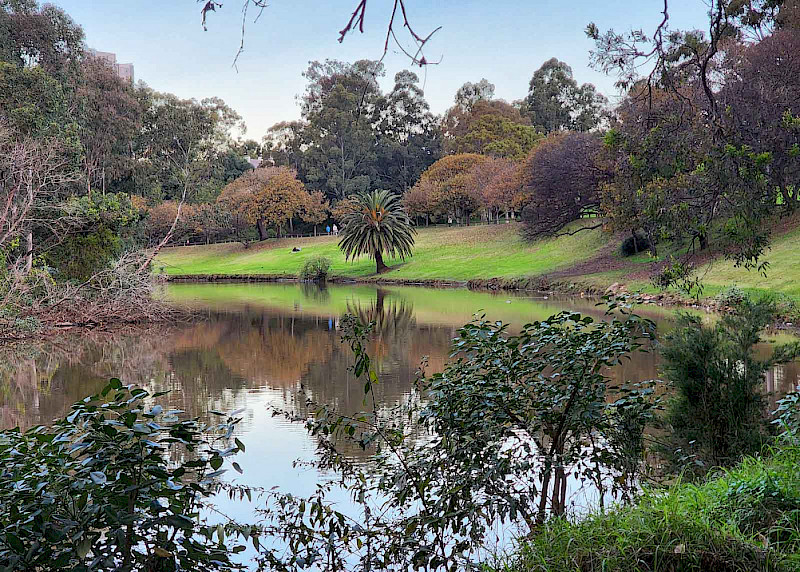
x=634, y=244
x=316, y=269
x=718, y=411
x=115, y=485
x=731, y=296
x=271, y=233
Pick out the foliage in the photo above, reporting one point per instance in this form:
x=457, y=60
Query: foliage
x=316, y=269
x=379, y=226
x=555, y=102
x=561, y=178
x=717, y=413
x=270, y=196
x=97, y=249
x=492, y=128
x=493, y=442
x=117, y=484
x=450, y=184
x=745, y=519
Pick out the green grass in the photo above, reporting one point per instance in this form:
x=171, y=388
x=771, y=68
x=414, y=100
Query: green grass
x=747, y=519
x=458, y=254
x=782, y=273
x=464, y=253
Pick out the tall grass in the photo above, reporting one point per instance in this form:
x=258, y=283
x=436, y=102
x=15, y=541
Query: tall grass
x=743, y=519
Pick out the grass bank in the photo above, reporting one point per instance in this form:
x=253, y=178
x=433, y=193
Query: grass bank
x=440, y=253
x=482, y=253
x=745, y=519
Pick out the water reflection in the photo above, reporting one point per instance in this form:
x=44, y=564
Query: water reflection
x=258, y=344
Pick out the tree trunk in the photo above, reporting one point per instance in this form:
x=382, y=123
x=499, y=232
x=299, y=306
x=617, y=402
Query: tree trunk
x=380, y=267
x=29, y=253
x=703, y=241
x=262, y=234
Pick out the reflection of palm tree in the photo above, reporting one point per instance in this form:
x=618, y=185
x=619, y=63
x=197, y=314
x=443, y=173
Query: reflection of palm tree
x=394, y=318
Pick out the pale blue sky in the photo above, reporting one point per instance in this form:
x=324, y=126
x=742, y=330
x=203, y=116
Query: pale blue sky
x=501, y=40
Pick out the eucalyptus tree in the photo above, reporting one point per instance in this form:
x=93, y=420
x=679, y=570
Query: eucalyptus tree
x=556, y=102
x=378, y=226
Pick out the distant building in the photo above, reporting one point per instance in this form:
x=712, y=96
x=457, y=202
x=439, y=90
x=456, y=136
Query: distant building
x=256, y=163
x=124, y=71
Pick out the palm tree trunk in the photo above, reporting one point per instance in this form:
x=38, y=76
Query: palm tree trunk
x=380, y=266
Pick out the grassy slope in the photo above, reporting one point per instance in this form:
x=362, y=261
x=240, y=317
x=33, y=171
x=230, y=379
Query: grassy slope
x=747, y=519
x=783, y=272
x=439, y=254
x=487, y=252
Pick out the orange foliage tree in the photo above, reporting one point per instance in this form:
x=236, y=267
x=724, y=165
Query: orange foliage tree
x=270, y=196
x=451, y=186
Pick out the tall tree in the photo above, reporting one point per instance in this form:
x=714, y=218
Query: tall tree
x=109, y=117
x=471, y=93
x=492, y=128
x=408, y=135
x=556, y=102
x=340, y=107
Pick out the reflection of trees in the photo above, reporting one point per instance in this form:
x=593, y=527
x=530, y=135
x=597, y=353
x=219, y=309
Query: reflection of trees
x=315, y=291
x=211, y=364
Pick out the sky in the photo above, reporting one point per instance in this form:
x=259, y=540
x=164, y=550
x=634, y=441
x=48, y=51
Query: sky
x=504, y=41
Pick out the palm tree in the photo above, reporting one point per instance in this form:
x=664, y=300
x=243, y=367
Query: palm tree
x=377, y=226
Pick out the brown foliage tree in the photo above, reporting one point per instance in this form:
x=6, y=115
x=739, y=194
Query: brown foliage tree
x=762, y=95
x=561, y=178
x=499, y=183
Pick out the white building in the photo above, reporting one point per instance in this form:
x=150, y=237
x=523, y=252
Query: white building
x=124, y=71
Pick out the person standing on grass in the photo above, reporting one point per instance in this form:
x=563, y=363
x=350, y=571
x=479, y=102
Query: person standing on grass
x=328, y=229
x=335, y=230
x=449, y=221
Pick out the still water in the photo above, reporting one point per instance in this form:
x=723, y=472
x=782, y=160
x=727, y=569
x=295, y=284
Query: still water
x=254, y=345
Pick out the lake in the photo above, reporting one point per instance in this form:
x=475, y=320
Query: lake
x=254, y=345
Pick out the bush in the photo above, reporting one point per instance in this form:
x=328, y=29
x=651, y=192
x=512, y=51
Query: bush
x=116, y=485
x=271, y=233
x=718, y=410
x=731, y=296
x=634, y=244
x=316, y=269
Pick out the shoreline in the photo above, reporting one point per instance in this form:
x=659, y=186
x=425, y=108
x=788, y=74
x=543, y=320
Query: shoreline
x=537, y=284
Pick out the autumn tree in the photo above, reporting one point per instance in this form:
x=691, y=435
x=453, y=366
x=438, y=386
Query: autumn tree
x=499, y=184
x=561, y=179
x=418, y=201
x=315, y=209
x=269, y=196
x=452, y=188
x=556, y=102
x=343, y=208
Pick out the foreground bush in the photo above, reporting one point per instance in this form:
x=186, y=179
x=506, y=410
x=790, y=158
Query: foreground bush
x=316, y=269
x=746, y=519
x=116, y=485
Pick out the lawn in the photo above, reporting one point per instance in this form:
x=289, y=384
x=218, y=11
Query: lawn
x=782, y=273
x=441, y=253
